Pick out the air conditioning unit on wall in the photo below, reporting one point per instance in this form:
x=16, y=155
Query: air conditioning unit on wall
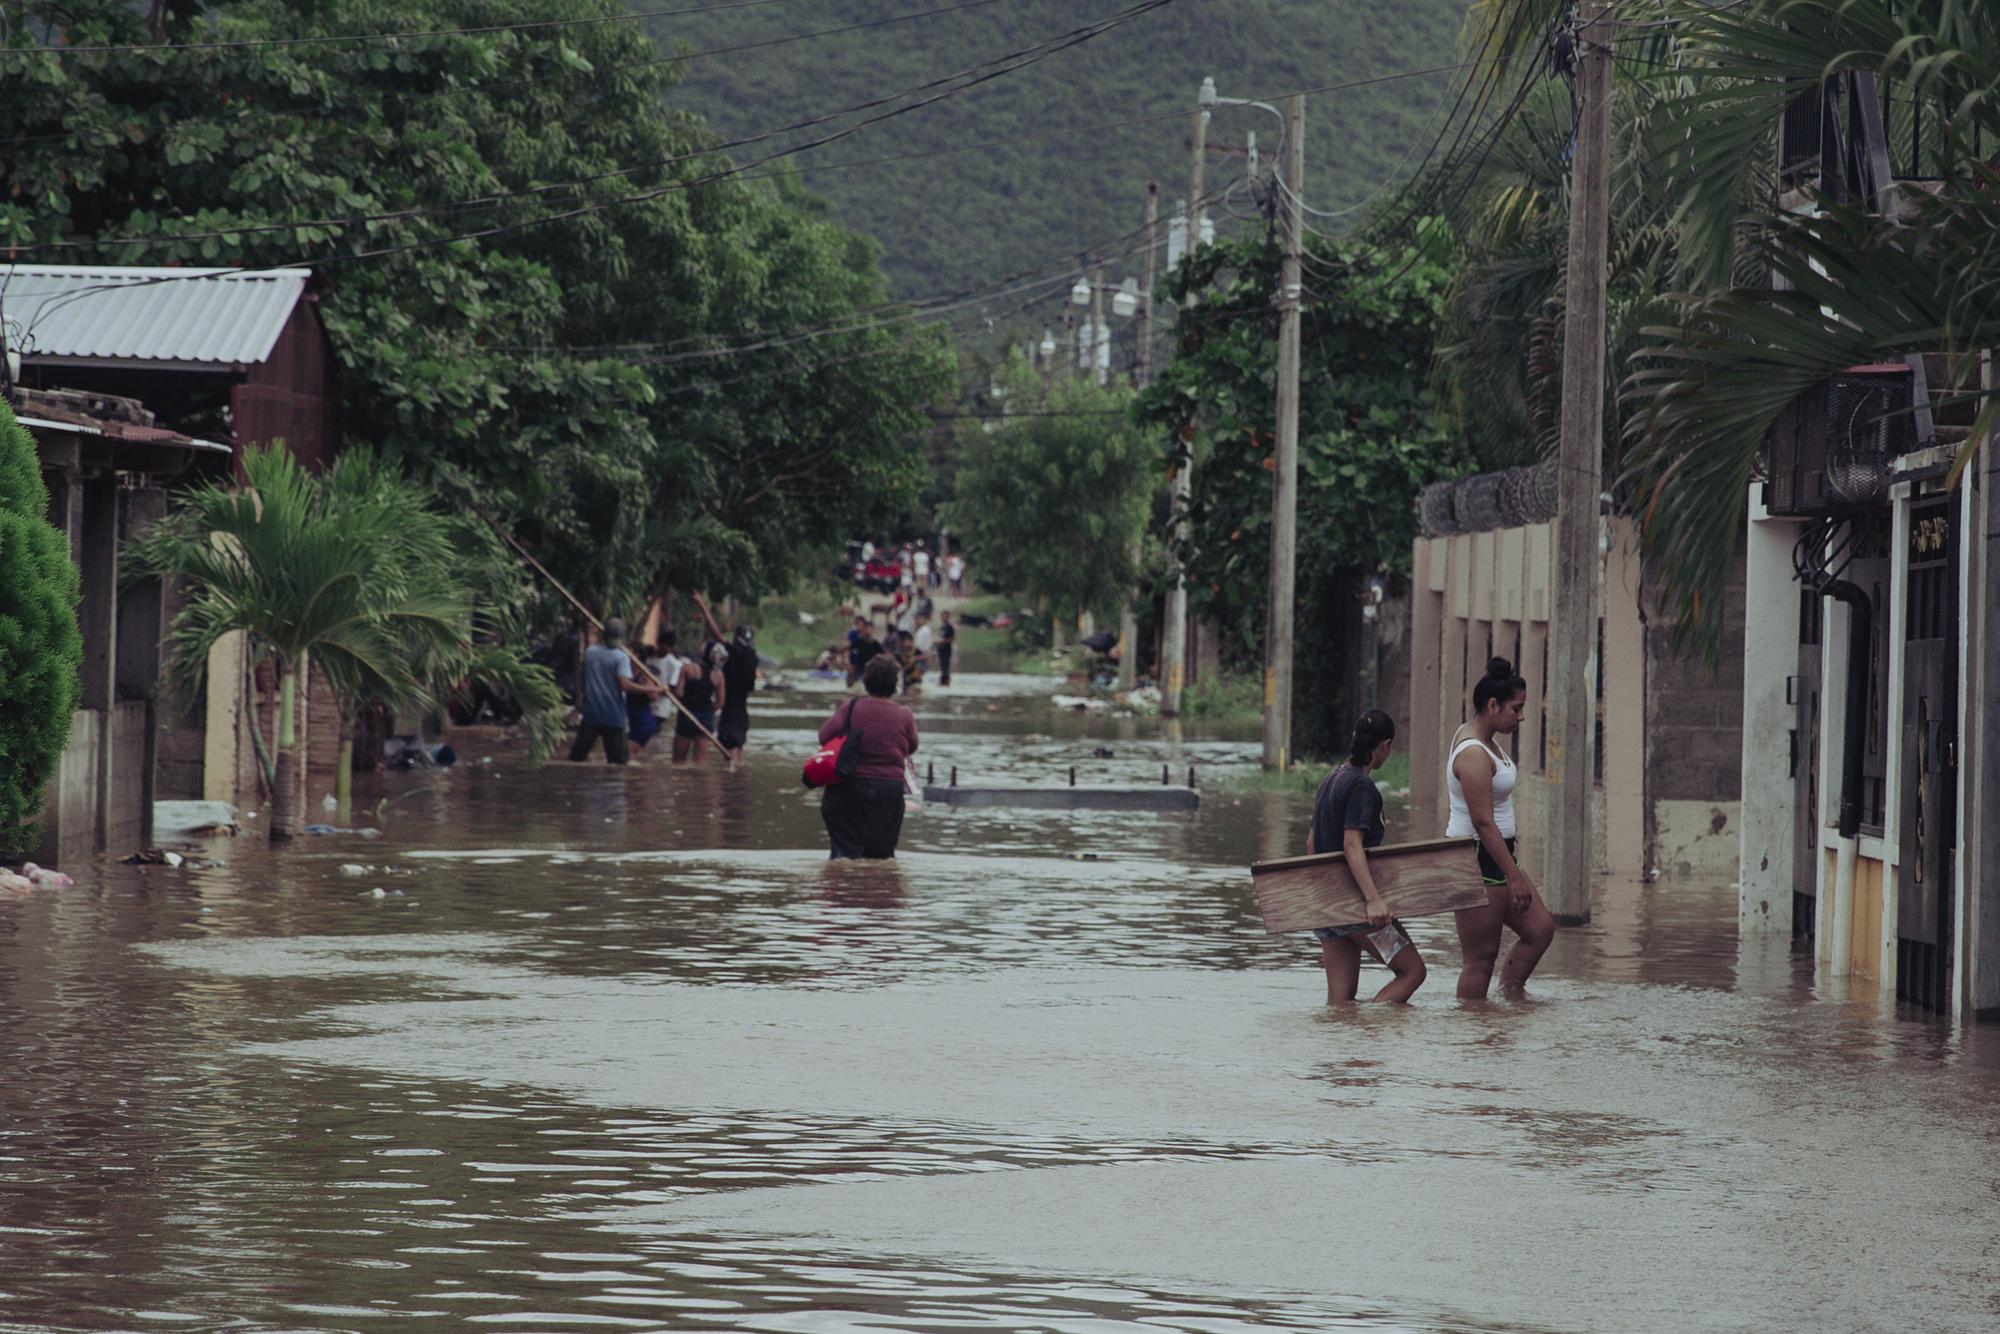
x=1832, y=451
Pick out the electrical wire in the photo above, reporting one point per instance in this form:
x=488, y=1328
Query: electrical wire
x=271, y=43
x=972, y=76
x=1044, y=51
x=493, y=201
x=1031, y=279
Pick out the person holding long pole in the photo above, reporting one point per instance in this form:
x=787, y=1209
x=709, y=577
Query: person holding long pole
x=1480, y=779
x=606, y=680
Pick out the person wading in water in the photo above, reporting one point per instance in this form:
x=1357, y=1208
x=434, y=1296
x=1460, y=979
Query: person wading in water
x=1480, y=780
x=602, y=687
x=739, y=679
x=864, y=815
x=1347, y=816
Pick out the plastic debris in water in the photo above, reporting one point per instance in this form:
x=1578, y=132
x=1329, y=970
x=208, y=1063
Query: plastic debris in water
x=378, y=893
x=43, y=876
x=353, y=868
x=329, y=803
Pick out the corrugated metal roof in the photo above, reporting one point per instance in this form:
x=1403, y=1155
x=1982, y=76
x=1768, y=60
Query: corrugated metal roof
x=217, y=316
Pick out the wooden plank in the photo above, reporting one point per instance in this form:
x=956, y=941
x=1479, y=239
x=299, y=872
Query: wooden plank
x=1415, y=879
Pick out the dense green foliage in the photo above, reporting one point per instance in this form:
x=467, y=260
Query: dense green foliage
x=1023, y=199
x=41, y=649
x=355, y=571
x=1367, y=442
x=477, y=206
x=1858, y=287
x=1708, y=348
x=1052, y=502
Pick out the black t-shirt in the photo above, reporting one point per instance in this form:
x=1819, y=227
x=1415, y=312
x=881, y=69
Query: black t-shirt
x=699, y=695
x=1348, y=799
x=946, y=633
x=740, y=675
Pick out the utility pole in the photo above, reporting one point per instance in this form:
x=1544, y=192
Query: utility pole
x=1285, y=472
x=1142, y=375
x=1173, y=638
x=1099, y=335
x=1573, y=665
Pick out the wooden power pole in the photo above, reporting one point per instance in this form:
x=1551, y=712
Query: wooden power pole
x=1579, y=572
x=1142, y=375
x=1173, y=637
x=1285, y=471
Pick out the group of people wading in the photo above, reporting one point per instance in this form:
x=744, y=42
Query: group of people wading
x=1480, y=778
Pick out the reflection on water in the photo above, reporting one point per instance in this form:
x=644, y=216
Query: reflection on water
x=604, y=1001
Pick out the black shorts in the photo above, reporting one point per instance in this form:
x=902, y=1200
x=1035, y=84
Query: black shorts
x=684, y=727
x=1489, y=870
x=733, y=732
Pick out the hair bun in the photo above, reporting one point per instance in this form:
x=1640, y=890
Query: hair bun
x=1499, y=669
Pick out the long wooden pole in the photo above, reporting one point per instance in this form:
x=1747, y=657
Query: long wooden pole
x=598, y=626
x=1173, y=637
x=1573, y=665
x=1278, y=611
x=1142, y=375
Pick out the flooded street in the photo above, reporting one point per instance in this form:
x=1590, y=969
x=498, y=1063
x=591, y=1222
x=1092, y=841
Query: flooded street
x=619, y=1049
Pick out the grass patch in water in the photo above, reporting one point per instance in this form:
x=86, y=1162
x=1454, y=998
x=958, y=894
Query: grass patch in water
x=1225, y=697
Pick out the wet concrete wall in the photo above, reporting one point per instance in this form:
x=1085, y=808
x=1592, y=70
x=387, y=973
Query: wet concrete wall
x=1669, y=744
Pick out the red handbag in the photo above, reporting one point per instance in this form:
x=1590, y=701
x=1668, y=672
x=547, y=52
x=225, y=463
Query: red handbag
x=836, y=761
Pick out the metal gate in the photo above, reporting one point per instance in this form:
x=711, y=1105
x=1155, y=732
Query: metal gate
x=1805, y=766
x=1929, y=834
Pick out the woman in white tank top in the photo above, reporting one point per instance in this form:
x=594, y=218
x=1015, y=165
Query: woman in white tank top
x=1480, y=778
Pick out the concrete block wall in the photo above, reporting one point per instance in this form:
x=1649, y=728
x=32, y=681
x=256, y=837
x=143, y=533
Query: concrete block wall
x=1672, y=734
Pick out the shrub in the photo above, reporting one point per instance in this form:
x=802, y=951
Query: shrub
x=41, y=649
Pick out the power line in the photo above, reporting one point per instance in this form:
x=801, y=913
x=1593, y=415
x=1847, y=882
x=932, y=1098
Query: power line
x=268, y=43
x=1042, y=52
x=971, y=76
x=1034, y=277
x=685, y=56
x=745, y=172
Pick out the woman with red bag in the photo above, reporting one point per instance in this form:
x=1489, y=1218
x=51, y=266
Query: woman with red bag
x=863, y=812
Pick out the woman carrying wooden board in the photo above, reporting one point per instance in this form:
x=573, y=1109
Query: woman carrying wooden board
x=1480, y=779
x=1347, y=814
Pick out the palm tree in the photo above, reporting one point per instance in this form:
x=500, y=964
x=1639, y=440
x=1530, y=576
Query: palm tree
x=1861, y=286
x=353, y=571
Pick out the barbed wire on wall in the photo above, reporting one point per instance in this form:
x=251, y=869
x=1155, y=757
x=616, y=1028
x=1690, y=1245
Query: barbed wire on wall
x=1486, y=501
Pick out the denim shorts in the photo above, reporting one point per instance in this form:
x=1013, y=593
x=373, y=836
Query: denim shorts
x=1330, y=934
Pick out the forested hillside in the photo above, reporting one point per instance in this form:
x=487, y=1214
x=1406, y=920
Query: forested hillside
x=1027, y=200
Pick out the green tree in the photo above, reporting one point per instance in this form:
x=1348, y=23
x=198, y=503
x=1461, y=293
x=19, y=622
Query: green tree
x=41, y=649
x=535, y=274
x=1858, y=287
x=1368, y=440
x=353, y=572
x=1052, y=501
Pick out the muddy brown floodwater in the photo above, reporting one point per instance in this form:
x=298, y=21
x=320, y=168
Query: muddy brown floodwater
x=618, y=1049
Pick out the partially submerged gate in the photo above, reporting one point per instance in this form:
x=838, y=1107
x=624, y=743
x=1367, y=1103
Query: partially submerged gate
x=1929, y=833
x=1805, y=767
